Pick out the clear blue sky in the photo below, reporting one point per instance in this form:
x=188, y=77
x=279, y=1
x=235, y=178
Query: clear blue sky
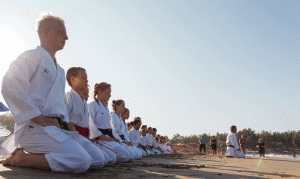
x=186, y=67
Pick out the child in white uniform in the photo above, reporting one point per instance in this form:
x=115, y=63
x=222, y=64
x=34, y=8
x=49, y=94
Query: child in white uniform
x=144, y=142
x=78, y=113
x=134, y=136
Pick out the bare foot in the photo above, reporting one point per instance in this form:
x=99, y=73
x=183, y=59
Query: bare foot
x=16, y=158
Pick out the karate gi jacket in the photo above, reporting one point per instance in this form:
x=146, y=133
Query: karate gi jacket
x=34, y=85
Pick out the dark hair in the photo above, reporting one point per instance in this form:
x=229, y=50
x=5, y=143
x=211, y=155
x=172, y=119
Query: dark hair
x=232, y=127
x=116, y=103
x=156, y=138
x=149, y=128
x=100, y=86
x=137, y=118
x=143, y=130
x=73, y=71
x=129, y=123
x=136, y=121
x=154, y=129
x=143, y=126
x=125, y=110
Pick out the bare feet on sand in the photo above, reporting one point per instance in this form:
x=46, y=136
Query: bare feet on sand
x=16, y=158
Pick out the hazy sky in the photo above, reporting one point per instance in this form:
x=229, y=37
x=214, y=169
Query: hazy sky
x=186, y=67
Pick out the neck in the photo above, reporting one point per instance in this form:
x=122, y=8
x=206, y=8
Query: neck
x=50, y=50
x=78, y=90
x=123, y=119
x=103, y=102
x=118, y=113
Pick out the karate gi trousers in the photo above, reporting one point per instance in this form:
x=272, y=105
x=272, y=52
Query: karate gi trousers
x=75, y=154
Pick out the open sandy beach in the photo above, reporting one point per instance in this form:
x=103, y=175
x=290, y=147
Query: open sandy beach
x=177, y=166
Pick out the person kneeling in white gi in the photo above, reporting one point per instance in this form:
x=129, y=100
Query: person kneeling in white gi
x=78, y=114
x=34, y=88
x=134, y=136
x=233, y=148
x=117, y=123
x=99, y=114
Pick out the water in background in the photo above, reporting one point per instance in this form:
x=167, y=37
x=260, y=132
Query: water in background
x=283, y=156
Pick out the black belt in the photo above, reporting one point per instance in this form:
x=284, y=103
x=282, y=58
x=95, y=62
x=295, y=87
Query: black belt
x=62, y=124
x=231, y=146
x=122, y=137
x=106, y=132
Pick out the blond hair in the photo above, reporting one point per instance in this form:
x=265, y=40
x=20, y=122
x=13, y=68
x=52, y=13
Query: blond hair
x=46, y=21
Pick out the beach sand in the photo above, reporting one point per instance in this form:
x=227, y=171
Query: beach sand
x=176, y=166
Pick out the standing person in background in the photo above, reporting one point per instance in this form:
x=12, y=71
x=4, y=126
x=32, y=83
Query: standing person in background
x=222, y=148
x=202, y=144
x=213, y=144
x=261, y=148
x=242, y=142
x=233, y=148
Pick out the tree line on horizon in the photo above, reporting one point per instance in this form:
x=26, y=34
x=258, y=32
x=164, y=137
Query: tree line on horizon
x=280, y=141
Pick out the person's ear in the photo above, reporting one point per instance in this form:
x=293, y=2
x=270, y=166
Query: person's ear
x=72, y=79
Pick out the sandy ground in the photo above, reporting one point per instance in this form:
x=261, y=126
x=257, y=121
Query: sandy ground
x=177, y=166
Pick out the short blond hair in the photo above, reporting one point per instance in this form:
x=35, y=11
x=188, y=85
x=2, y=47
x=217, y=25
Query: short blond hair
x=45, y=21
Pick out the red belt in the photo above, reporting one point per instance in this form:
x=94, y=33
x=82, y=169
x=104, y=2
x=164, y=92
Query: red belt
x=84, y=131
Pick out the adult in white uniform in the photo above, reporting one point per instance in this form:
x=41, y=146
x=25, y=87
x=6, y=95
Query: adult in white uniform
x=233, y=148
x=78, y=112
x=125, y=116
x=99, y=114
x=134, y=135
x=33, y=88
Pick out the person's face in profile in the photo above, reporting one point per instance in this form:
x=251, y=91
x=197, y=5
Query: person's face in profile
x=57, y=35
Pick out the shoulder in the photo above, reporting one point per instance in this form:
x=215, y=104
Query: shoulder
x=93, y=103
x=29, y=57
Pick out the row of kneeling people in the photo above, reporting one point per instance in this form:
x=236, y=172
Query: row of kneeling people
x=60, y=132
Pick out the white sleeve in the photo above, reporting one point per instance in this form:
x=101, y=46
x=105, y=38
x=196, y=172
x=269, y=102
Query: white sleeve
x=235, y=142
x=94, y=132
x=132, y=138
x=68, y=97
x=115, y=134
x=15, y=87
x=126, y=133
x=92, y=116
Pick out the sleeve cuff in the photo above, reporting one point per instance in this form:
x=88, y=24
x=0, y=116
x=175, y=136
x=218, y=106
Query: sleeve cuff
x=26, y=116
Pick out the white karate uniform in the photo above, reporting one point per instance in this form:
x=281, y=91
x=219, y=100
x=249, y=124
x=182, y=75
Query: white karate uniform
x=156, y=147
x=170, y=149
x=151, y=142
x=138, y=153
x=232, y=151
x=119, y=127
x=134, y=136
x=163, y=148
x=144, y=143
x=99, y=114
x=33, y=86
x=78, y=114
